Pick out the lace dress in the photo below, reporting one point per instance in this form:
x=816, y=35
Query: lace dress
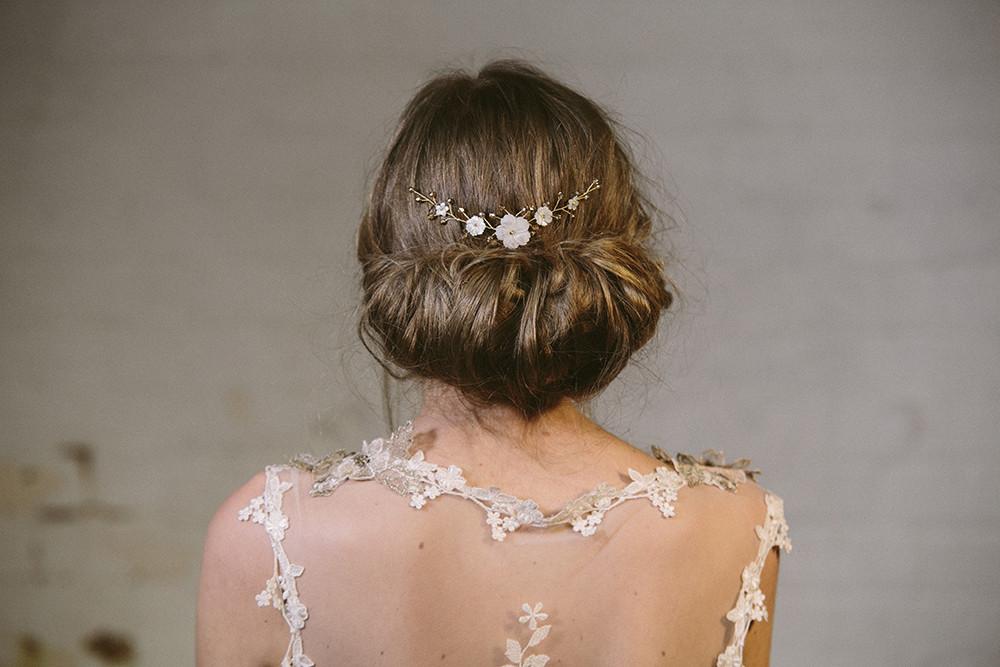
x=391, y=462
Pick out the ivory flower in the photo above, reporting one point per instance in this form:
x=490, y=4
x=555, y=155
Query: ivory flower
x=543, y=216
x=513, y=231
x=449, y=478
x=532, y=615
x=475, y=225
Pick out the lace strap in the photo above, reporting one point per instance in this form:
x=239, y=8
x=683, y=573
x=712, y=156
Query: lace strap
x=750, y=602
x=280, y=590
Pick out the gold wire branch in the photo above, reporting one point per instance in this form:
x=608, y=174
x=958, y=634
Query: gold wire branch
x=513, y=229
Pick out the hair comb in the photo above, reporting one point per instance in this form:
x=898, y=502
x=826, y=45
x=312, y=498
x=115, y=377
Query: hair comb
x=513, y=230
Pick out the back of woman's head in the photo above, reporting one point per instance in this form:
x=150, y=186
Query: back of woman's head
x=557, y=317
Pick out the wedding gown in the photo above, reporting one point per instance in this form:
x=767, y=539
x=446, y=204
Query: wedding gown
x=378, y=580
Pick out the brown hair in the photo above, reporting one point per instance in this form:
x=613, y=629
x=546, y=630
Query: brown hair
x=557, y=317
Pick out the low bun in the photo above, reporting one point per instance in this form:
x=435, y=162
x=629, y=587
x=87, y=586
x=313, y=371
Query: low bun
x=522, y=328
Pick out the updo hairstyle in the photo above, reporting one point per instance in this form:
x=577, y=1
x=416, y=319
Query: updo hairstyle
x=557, y=317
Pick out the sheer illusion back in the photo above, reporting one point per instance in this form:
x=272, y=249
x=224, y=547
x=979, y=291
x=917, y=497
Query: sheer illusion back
x=419, y=566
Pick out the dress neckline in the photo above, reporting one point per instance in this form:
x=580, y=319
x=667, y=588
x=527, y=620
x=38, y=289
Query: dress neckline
x=394, y=462
x=411, y=453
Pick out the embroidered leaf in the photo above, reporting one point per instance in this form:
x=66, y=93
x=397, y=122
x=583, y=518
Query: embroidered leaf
x=513, y=650
x=634, y=487
x=536, y=661
x=539, y=634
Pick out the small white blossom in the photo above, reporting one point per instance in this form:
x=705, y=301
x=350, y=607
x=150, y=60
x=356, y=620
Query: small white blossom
x=758, y=611
x=449, y=478
x=417, y=500
x=583, y=526
x=573, y=202
x=513, y=231
x=475, y=225
x=441, y=209
x=275, y=523
x=543, y=216
x=662, y=503
x=495, y=521
x=296, y=614
x=532, y=615
x=731, y=658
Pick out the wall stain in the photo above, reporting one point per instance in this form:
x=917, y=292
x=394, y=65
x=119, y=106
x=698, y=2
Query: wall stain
x=90, y=506
x=32, y=652
x=82, y=454
x=110, y=647
x=24, y=487
x=29, y=647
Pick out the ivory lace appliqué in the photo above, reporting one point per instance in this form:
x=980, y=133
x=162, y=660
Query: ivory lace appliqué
x=390, y=462
x=711, y=468
x=517, y=654
x=750, y=602
x=280, y=590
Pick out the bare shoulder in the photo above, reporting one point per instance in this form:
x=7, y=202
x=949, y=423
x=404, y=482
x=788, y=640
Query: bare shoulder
x=236, y=562
x=730, y=521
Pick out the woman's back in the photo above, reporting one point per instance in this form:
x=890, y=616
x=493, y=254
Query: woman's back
x=509, y=266
x=382, y=557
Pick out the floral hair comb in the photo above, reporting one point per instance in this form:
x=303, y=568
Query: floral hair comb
x=511, y=229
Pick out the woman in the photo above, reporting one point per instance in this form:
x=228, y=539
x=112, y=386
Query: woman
x=507, y=265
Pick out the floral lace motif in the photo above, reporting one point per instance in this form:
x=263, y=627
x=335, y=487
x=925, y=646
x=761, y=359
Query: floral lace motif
x=280, y=590
x=390, y=462
x=517, y=654
x=710, y=469
x=750, y=602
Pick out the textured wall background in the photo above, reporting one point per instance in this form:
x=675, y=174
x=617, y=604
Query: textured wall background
x=180, y=186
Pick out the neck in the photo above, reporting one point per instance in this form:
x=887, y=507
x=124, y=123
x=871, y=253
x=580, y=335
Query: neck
x=560, y=448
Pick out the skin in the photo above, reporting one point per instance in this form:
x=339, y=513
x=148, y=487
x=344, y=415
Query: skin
x=549, y=460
